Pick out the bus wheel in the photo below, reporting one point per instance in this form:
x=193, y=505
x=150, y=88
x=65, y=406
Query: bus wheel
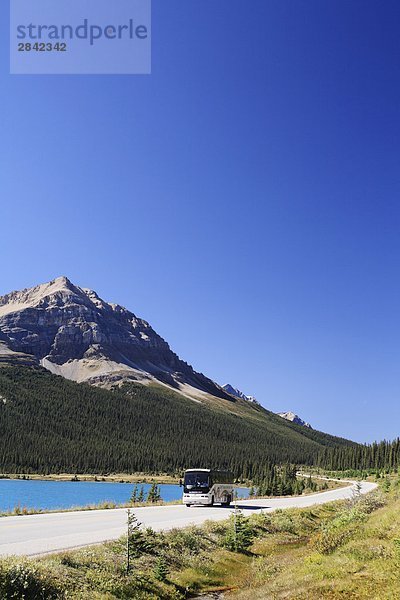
x=188, y=505
x=212, y=501
x=227, y=501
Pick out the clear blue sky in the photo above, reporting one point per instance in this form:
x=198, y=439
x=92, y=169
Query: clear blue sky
x=244, y=198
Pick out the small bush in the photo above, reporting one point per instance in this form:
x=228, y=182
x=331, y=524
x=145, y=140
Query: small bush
x=184, y=540
x=373, y=501
x=24, y=580
x=329, y=539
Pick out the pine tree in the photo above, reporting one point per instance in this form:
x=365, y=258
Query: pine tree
x=134, y=496
x=154, y=494
x=240, y=534
x=133, y=531
x=161, y=569
x=136, y=540
x=141, y=494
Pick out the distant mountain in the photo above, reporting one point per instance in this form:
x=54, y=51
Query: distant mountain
x=72, y=332
x=229, y=389
x=291, y=416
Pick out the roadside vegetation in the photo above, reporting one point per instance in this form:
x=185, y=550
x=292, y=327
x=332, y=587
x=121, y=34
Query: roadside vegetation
x=348, y=549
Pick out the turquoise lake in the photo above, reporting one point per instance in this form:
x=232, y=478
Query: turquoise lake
x=67, y=494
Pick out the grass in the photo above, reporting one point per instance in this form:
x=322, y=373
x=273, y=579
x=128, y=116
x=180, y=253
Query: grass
x=346, y=550
x=105, y=505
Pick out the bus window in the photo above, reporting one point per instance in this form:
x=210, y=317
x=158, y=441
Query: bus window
x=197, y=482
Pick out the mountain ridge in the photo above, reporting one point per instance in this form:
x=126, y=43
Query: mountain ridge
x=229, y=389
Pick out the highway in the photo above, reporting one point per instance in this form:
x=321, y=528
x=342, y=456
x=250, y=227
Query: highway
x=33, y=535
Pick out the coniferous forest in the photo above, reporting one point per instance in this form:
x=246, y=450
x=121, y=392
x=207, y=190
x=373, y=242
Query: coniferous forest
x=378, y=456
x=51, y=425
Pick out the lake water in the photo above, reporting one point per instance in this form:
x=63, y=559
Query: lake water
x=67, y=494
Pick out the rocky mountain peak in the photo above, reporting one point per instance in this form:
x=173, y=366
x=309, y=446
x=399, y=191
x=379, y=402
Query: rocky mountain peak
x=73, y=332
x=62, y=281
x=229, y=389
x=291, y=416
x=34, y=297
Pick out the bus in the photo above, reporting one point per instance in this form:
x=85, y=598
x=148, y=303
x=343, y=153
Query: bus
x=207, y=487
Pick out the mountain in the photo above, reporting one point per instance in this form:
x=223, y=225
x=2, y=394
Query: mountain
x=49, y=424
x=86, y=385
x=229, y=389
x=72, y=332
x=291, y=416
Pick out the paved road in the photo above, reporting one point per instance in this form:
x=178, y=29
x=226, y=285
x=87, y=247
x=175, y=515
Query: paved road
x=39, y=534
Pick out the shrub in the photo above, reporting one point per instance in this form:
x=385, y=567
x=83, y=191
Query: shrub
x=24, y=580
x=327, y=540
x=373, y=501
x=186, y=540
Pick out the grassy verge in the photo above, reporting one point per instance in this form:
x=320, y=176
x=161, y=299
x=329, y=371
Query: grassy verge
x=347, y=549
x=106, y=505
x=353, y=553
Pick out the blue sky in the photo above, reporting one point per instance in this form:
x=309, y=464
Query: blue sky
x=244, y=198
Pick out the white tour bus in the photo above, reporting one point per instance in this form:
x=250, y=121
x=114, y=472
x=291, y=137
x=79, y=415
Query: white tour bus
x=206, y=487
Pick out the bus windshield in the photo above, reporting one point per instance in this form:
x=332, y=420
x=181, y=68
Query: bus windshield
x=197, y=482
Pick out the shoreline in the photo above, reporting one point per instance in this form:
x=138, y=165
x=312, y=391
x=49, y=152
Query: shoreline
x=110, y=505
x=139, y=478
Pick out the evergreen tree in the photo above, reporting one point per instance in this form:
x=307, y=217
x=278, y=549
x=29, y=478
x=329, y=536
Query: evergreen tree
x=141, y=494
x=134, y=496
x=154, y=494
x=240, y=534
x=136, y=542
x=161, y=569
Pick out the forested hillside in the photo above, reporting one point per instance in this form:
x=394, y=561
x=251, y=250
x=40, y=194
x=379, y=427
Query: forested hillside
x=49, y=424
x=384, y=455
